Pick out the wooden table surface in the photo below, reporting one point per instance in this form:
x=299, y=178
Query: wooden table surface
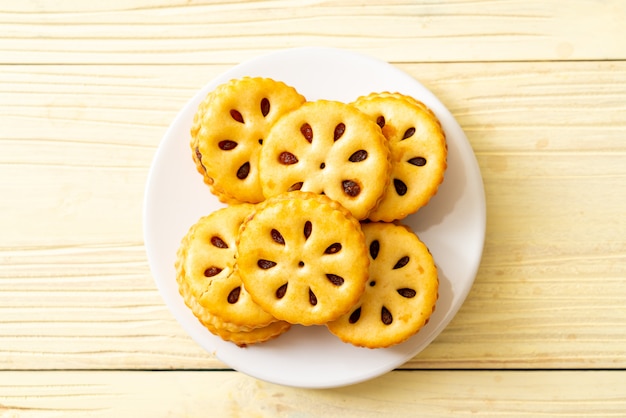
x=87, y=90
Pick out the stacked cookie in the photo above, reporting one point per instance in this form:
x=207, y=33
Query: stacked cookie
x=310, y=235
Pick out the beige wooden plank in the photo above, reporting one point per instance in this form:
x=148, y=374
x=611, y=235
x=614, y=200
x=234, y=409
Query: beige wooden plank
x=72, y=253
x=177, y=31
x=548, y=294
x=87, y=307
x=230, y=394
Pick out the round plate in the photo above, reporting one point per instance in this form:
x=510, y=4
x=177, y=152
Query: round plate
x=452, y=225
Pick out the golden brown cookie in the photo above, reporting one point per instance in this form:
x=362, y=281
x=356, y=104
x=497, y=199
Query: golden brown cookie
x=229, y=128
x=257, y=335
x=418, y=152
x=329, y=148
x=205, y=265
x=222, y=329
x=401, y=294
x=397, y=96
x=302, y=258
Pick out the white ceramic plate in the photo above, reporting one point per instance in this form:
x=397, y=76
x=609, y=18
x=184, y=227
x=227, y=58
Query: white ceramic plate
x=452, y=225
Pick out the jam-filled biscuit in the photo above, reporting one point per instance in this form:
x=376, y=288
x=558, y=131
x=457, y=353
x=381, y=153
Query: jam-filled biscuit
x=226, y=331
x=302, y=257
x=401, y=292
x=205, y=265
x=418, y=152
x=329, y=148
x=229, y=128
x=254, y=336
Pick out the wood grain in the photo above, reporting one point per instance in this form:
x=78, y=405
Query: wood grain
x=87, y=90
x=77, y=141
x=397, y=394
x=175, y=32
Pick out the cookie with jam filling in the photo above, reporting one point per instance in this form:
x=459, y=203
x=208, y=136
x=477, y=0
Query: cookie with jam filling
x=418, y=152
x=401, y=292
x=228, y=131
x=329, y=148
x=210, y=286
x=302, y=258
